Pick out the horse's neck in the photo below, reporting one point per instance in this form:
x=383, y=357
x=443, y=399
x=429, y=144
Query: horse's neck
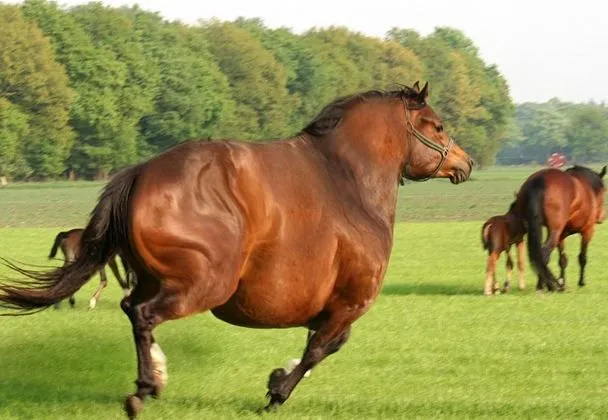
x=373, y=186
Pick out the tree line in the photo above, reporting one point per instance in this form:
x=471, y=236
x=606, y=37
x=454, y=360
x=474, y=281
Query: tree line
x=89, y=89
x=579, y=130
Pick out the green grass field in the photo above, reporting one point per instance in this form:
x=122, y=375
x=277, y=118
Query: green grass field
x=432, y=346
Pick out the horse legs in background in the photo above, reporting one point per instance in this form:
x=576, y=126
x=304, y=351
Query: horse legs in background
x=69, y=258
x=582, y=256
x=563, y=264
x=103, y=282
x=491, y=285
x=507, y=285
x=124, y=283
x=521, y=258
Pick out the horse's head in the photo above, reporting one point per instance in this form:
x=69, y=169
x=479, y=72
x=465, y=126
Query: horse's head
x=395, y=131
x=432, y=153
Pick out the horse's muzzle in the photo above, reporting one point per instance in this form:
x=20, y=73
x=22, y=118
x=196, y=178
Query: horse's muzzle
x=461, y=174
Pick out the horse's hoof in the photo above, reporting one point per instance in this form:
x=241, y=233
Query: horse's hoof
x=272, y=406
x=133, y=406
x=92, y=303
x=159, y=386
x=276, y=377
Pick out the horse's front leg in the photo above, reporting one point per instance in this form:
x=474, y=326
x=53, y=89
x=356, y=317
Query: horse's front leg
x=332, y=330
x=328, y=339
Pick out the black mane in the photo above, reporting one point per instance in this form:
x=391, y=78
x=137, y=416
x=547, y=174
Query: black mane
x=331, y=115
x=597, y=184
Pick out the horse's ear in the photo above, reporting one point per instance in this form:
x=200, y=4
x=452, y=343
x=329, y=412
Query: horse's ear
x=416, y=87
x=603, y=172
x=424, y=92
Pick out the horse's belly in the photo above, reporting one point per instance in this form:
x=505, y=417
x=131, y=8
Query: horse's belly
x=270, y=307
x=283, y=294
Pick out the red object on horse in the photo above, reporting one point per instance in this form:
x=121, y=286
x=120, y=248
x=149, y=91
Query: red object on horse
x=557, y=160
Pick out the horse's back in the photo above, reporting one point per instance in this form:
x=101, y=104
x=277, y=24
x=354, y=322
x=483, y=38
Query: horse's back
x=567, y=201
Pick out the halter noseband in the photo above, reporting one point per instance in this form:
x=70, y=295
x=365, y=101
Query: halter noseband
x=443, y=150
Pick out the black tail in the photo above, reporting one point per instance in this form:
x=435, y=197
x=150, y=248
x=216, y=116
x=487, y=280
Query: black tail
x=58, y=239
x=102, y=238
x=535, y=219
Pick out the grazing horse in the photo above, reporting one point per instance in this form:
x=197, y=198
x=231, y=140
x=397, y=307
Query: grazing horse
x=69, y=243
x=498, y=234
x=286, y=233
x=565, y=202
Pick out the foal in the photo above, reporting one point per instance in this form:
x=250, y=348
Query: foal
x=498, y=233
x=69, y=242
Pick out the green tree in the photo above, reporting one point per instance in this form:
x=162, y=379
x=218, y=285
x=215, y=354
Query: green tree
x=193, y=96
x=258, y=82
x=33, y=82
x=587, y=134
x=114, y=33
x=97, y=77
x=14, y=128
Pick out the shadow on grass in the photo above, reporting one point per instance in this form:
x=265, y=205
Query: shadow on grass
x=403, y=289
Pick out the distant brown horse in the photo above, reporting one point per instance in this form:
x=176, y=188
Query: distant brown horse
x=286, y=233
x=498, y=234
x=565, y=202
x=69, y=243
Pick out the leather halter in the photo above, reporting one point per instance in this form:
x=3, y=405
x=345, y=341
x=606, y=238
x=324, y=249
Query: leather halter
x=443, y=150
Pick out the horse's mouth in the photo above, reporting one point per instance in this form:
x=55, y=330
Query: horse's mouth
x=459, y=176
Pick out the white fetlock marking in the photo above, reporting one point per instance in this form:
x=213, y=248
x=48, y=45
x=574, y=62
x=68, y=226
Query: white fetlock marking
x=291, y=365
x=92, y=303
x=159, y=361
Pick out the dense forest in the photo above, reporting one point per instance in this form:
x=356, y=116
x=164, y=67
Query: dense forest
x=89, y=89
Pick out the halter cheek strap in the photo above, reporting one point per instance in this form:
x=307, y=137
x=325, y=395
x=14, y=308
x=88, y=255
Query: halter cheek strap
x=443, y=150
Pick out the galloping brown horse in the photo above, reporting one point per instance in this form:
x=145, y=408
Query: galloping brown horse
x=565, y=202
x=498, y=234
x=286, y=233
x=69, y=243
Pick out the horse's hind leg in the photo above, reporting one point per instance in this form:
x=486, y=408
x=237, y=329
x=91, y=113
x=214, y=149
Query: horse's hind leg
x=563, y=263
x=490, y=273
x=550, y=244
x=582, y=256
x=521, y=249
x=124, y=284
x=142, y=307
x=507, y=285
x=103, y=282
x=329, y=337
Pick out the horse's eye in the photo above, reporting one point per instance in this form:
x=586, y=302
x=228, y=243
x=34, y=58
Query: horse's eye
x=439, y=128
